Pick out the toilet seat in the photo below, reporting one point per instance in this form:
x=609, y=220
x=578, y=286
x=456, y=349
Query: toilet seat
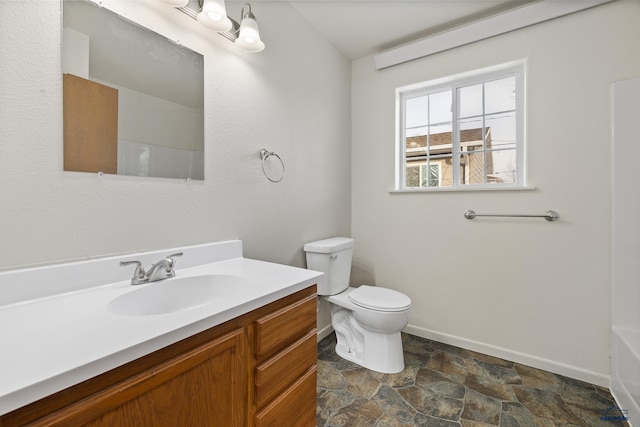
x=380, y=299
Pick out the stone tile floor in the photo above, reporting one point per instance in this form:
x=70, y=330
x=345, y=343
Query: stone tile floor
x=446, y=386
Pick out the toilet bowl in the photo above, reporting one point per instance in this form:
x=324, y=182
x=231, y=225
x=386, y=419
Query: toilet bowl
x=367, y=319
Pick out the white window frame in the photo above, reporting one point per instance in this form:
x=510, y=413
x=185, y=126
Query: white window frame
x=517, y=69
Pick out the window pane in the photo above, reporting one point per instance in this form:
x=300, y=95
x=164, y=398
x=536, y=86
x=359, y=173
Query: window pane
x=471, y=134
x=470, y=100
x=472, y=123
x=472, y=167
x=440, y=107
x=416, y=112
x=501, y=130
x=446, y=170
x=501, y=167
x=441, y=128
x=413, y=175
x=433, y=178
x=417, y=131
x=437, y=174
x=416, y=146
x=440, y=139
x=500, y=95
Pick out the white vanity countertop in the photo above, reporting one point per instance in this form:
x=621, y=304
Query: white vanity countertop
x=56, y=341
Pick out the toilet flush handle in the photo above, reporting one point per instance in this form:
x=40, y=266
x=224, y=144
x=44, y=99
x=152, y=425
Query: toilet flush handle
x=333, y=257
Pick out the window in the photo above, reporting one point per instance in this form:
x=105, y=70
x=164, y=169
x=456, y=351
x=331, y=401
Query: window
x=465, y=132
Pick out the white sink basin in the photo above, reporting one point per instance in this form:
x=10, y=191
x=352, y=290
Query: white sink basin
x=177, y=294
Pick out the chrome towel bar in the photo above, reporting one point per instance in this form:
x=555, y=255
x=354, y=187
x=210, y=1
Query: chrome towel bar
x=548, y=215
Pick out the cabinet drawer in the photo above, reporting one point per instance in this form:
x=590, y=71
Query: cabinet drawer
x=284, y=326
x=296, y=407
x=274, y=375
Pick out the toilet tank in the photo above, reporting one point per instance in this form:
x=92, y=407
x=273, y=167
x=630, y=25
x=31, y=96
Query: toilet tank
x=333, y=258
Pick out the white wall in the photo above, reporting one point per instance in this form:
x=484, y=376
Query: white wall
x=524, y=289
x=293, y=98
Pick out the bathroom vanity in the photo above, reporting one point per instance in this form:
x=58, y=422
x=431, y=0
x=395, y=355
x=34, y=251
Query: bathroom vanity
x=246, y=358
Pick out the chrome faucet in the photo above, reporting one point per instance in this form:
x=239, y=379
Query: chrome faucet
x=161, y=270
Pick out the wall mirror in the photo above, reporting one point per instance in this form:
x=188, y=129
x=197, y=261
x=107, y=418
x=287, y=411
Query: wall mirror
x=133, y=100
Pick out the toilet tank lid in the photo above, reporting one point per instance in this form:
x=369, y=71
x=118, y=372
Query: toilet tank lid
x=326, y=246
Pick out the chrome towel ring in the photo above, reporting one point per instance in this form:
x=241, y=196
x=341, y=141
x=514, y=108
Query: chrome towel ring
x=264, y=155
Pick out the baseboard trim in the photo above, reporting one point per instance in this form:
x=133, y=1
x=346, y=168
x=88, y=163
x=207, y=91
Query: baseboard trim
x=324, y=332
x=514, y=356
x=503, y=353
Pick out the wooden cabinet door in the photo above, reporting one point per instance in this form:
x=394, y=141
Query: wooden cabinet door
x=202, y=387
x=90, y=126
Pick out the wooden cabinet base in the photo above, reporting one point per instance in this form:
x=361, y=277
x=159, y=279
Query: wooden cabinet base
x=205, y=380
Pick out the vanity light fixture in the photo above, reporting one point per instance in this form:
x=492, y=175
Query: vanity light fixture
x=213, y=14
x=175, y=3
x=249, y=35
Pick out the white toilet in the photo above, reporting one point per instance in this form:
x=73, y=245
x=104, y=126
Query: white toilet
x=367, y=320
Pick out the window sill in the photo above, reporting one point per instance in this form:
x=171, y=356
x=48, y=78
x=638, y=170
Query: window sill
x=459, y=189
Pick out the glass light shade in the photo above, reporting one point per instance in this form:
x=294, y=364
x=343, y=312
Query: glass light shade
x=214, y=15
x=249, y=36
x=175, y=3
